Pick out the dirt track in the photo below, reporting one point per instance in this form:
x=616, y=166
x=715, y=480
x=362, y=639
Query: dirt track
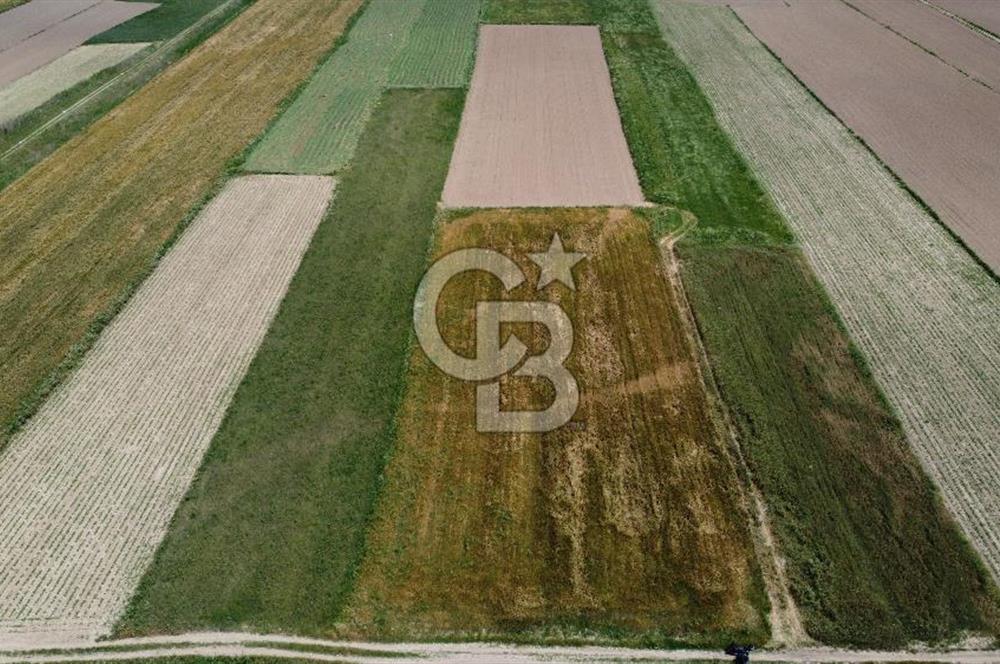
x=60, y=38
x=278, y=646
x=89, y=486
x=541, y=127
x=935, y=128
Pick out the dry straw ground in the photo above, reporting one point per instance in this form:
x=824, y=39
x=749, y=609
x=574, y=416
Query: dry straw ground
x=625, y=522
x=922, y=311
x=933, y=126
x=83, y=226
x=88, y=488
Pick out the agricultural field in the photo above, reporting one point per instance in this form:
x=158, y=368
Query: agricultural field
x=513, y=152
x=933, y=126
x=290, y=480
x=984, y=15
x=81, y=229
x=921, y=310
x=38, y=49
x=391, y=40
x=169, y=18
x=438, y=53
x=973, y=54
x=28, y=93
x=226, y=428
x=36, y=134
x=788, y=372
x=122, y=438
x=627, y=521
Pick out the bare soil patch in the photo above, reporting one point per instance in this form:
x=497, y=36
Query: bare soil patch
x=982, y=13
x=935, y=128
x=88, y=488
x=62, y=37
x=541, y=127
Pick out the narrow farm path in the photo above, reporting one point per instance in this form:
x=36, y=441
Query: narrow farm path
x=277, y=646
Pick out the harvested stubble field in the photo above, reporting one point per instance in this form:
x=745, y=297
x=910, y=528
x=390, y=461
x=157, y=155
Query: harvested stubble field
x=968, y=51
x=936, y=128
x=922, y=311
x=33, y=90
x=626, y=522
x=272, y=529
x=438, y=53
x=515, y=150
x=88, y=488
x=81, y=228
x=62, y=37
x=985, y=15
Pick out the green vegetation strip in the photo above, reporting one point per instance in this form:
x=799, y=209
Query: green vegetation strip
x=320, y=130
x=170, y=18
x=273, y=527
x=873, y=558
x=417, y=43
x=440, y=48
x=836, y=472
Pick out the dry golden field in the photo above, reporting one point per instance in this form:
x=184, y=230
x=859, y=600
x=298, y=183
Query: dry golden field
x=79, y=230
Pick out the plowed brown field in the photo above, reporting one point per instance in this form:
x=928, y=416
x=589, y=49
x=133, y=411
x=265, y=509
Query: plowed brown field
x=624, y=519
x=936, y=128
x=971, y=52
x=983, y=13
x=541, y=127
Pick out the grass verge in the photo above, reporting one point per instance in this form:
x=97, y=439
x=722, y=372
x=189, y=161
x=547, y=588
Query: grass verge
x=82, y=228
x=272, y=529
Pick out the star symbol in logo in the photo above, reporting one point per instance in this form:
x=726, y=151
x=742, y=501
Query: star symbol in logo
x=556, y=264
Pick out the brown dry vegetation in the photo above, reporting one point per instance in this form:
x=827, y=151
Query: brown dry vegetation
x=625, y=521
x=81, y=228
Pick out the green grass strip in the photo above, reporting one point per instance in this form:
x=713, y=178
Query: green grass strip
x=439, y=51
x=272, y=529
x=319, y=132
x=167, y=20
x=873, y=558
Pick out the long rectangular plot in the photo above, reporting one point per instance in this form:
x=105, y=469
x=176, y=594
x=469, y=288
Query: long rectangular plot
x=88, y=488
x=540, y=126
x=438, y=53
x=982, y=13
x=33, y=90
x=936, y=128
x=972, y=53
x=29, y=19
x=61, y=38
x=320, y=130
x=923, y=312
